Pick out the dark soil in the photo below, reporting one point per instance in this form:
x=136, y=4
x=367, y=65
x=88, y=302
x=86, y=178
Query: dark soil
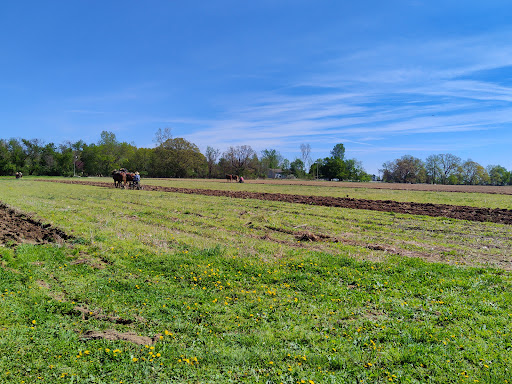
x=501, y=216
x=16, y=227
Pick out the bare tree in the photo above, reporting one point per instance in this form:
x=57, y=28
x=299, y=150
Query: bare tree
x=212, y=156
x=239, y=157
x=161, y=136
x=433, y=168
x=305, y=150
x=449, y=165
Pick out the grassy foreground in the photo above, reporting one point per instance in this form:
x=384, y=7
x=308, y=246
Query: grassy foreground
x=225, y=293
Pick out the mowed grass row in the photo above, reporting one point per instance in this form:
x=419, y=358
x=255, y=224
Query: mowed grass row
x=230, y=294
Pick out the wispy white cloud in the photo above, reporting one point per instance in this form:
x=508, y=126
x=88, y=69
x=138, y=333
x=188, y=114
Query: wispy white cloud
x=369, y=100
x=400, y=89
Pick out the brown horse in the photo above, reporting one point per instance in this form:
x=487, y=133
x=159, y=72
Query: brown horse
x=231, y=178
x=119, y=178
x=130, y=179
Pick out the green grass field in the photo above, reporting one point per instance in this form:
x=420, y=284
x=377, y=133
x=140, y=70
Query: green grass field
x=225, y=290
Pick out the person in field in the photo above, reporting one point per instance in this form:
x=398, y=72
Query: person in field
x=136, y=180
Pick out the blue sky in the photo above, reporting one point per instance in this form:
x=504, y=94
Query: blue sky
x=385, y=78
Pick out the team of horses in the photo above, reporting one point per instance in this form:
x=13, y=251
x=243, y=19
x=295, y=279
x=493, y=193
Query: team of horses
x=122, y=178
x=232, y=178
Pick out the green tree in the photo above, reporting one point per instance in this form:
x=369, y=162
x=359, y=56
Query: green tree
x=355, y=172
x=112, y=153
x=334, y=168
x=64, y=160
x=140, y=160
x=498, y=175
x=33, y=149
x=179, y=158
x=473, y=173
x=18, y=155
x=297, y=168
x=338, y=152
x=270, y=159
x=315, y=170
x=92, y=161
x=285, y=167
x=7, y=167
x=48, y=162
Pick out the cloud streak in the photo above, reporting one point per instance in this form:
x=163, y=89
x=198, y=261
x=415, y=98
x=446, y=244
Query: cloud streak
x=393, y=93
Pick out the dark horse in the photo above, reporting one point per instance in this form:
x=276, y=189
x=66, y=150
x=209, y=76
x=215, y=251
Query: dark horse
x=119, y=178
x=231, y=178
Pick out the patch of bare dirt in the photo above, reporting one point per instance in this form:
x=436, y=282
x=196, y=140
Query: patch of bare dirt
x=501, y=216
x=87, y=314
x=112, y=334
x=16, y=228
x=93, y=262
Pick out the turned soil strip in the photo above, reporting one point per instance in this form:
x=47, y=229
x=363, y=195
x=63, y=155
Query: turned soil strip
x=501, y=216
x=16, y=227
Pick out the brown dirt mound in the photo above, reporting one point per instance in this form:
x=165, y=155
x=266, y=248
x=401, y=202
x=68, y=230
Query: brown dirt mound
x=501, y=216
x=16, y=228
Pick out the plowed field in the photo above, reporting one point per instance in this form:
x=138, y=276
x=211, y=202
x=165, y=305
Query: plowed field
x=502, y=216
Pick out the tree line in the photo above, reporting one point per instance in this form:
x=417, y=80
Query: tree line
x=443, y=169
x=177, y=157
x=171, y=157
